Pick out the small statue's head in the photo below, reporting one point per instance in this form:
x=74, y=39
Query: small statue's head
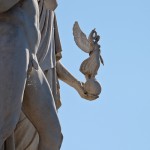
x=51, y=4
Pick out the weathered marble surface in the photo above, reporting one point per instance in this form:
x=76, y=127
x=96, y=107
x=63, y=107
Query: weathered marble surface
x=19, y=41
x=29, y=66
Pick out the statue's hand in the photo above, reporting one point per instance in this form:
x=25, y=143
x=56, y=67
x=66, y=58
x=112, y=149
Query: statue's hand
x=80, y=89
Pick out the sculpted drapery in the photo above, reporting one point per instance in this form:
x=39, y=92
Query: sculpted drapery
x=22, y=80
x=49, y=51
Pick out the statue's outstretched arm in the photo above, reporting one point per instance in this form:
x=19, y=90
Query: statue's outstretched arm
x=7, y=4
x=67, y=77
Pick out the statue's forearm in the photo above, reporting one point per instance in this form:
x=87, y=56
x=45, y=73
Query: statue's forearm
x=7, y=4
x=64, y=75
x=68, y=78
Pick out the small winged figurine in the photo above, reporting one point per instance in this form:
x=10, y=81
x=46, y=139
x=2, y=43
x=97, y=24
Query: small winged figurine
x=90, y=66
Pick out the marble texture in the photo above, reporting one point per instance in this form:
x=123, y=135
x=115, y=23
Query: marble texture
x=30, y=51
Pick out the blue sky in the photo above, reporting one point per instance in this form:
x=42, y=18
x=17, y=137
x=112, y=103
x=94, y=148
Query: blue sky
x=119, y=119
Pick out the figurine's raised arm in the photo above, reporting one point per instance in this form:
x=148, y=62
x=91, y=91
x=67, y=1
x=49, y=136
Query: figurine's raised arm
x=81, y=40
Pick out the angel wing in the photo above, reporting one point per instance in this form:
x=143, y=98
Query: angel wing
x=81, y=39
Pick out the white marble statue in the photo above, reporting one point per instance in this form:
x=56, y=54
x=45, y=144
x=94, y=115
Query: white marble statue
x=30, y=51
x=90, y=66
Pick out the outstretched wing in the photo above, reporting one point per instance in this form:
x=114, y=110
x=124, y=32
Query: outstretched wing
x=81, y=39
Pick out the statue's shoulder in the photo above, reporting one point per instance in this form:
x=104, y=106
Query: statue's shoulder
x=5, y=5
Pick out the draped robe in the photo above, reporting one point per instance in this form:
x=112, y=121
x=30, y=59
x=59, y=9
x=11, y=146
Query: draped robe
x=49, y=51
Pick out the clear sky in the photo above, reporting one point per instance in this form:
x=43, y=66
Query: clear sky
x=119, y=119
